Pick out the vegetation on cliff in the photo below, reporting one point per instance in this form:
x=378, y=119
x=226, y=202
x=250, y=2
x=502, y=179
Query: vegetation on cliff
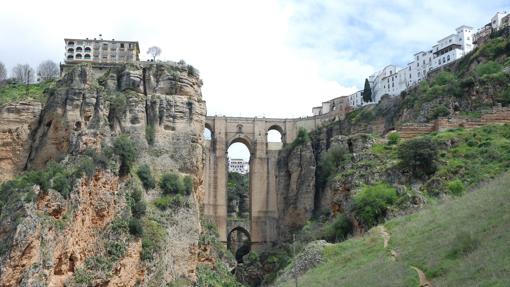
x=461, y=242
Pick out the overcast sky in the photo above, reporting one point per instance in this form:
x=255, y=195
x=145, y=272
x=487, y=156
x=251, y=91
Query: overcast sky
x=273, y=58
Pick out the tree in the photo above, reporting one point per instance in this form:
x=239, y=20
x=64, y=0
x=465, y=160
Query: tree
x=23, y=74
x=3, y=72
x=367, y=92
x=47, y=70
x=419, y=155
x=154, y=51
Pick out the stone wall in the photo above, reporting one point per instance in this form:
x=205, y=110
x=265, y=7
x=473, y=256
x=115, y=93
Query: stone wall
x=498, y=115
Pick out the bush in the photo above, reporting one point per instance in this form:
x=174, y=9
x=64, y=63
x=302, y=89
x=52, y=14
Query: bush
x=301, y=138
x=188, y=185
x=419, y=155
x=87, y=167
x=393, y=138
x=63, y=183
x=439, y=111
x=171, y=183
x=456, y=187
x=372, y=202
x=127, y=152
x=145, y=175
x=135, y=227
x=488, y=68
x=138, y=209
x=330, y=161
x=150, y=134
x=152, y=239
x=463, y=244
x=337, y=230
x=116, y=249
x=168, y=201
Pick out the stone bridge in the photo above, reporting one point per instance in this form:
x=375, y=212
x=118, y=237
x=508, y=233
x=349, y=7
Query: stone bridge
x=252, y=132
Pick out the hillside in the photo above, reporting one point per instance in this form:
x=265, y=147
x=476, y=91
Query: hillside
x=461, y=242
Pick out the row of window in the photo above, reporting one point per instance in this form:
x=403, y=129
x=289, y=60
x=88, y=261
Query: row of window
x=104, y=45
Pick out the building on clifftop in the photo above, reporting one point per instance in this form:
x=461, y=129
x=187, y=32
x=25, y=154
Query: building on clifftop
x=101, y=51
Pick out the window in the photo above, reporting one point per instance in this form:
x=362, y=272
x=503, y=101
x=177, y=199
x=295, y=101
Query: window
x=417, y=64
x=448, y=58
x=70, y=57
x=78, y=56
x=79, y=49
x=70, y=50
x=70, y=43
x=122, y=45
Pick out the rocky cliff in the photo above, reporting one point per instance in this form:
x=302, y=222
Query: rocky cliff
x=52, y=238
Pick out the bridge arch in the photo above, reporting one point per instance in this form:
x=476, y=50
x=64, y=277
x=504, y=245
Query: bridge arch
x=239, y=242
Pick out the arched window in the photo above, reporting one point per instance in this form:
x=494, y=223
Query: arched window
x=70, y=43
x=87, y=56
x=78, y=56
x=79, y=49
x=70, y=50
x=87, y=50
x=70, y=57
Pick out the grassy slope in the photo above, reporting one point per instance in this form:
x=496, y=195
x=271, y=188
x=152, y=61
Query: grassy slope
x=426, y=240
x=17, y=92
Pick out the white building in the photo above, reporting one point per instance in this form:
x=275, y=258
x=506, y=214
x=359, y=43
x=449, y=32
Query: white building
x=238, y=165
x=496, y=20
x=392, y=80
x=101, y=51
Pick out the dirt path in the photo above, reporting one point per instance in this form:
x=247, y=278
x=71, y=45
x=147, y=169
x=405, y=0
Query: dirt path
x=385, y=235
x=423, y=279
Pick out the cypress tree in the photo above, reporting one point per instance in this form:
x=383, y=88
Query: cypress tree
x=367, y=92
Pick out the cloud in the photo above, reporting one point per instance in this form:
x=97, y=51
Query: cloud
x=257, y=58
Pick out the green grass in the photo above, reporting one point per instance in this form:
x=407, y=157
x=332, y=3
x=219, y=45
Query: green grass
x=460, y=242
x=17, y=92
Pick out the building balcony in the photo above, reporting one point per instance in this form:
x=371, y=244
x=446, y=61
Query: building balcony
x=447, y=49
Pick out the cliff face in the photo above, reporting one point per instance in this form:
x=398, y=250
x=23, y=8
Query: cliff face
x=296, y=186
x=17, y=121
x=52, y=240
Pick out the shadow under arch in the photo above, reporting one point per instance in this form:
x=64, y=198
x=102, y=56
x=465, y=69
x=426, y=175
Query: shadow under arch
x=245, y=248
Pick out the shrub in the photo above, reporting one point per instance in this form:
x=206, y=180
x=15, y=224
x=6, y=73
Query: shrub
x=301, y=138
x=168, y=201
x=127, y=152
x=337, y=230
x=116, y=249
x=171, y=183
x=138, y=209
x=419, y=155
x=372, y=202
x=87, y=167
x=439, y=111
x=488, y=68
x=118, y=104
x=150, y=134
x=456, y=187
x=63, y=183
x=330, y=161
x=135, y=227
x=188, y=185
x=82, y=276
x=463, y=244
x=145, y=175
x=152, y=239
x=393, y=138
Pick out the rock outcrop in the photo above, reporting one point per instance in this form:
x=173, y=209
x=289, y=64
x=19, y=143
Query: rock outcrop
x=51, y=239
x=17, y=120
